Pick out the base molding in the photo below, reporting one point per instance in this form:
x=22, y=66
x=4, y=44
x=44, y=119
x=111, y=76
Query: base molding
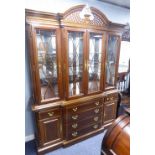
x=45, y=149
x=29, y=138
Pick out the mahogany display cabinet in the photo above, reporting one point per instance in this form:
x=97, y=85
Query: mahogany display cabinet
x=74, y=65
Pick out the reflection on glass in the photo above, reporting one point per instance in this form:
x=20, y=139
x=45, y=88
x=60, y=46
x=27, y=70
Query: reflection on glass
x=75, y=58
x=111, y=61
x=47, y=63
x=94, y=63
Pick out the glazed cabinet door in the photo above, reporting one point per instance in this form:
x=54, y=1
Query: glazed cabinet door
x=112, y=55
x=74, y=65
x=84, y=62
x=95, y=61
x=47, y=63
x=50, y=131
x=109, y=112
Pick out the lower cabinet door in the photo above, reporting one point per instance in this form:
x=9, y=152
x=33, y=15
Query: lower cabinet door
x=109, y=112
x=50, y=131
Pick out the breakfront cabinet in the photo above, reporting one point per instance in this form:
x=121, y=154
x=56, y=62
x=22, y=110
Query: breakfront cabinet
x=74, y=65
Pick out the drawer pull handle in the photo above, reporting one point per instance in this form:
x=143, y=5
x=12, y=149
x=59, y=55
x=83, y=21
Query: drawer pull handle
x=50, y=114
x=74, y=126
x=95, y=126
x=111, y=98
x=75, y=117
x=96, y=111
x=107, y=98
x=95, y=119
x=97, y=103
x=74, y=134
x=75, y=109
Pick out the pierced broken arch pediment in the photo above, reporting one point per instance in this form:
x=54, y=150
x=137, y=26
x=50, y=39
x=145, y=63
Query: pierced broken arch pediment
x=73, y=16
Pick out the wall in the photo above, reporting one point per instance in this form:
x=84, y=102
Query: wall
x=29, y=128
x=113, y=13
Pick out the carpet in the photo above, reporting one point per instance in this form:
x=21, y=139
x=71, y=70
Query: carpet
x=90, y=146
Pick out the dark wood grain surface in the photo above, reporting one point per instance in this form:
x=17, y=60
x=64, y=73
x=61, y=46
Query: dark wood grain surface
x=117, y=139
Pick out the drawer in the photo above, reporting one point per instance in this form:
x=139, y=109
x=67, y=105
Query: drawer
x=72, y=117
x=75, y=125
x=82, y=107
x=77, y=133
x=49, y=113
x=111, y=97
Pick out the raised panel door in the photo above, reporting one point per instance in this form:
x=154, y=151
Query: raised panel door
x=50, y=131
x=109, y=112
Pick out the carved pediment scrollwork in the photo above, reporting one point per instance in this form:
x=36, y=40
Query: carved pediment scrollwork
x=73, y=16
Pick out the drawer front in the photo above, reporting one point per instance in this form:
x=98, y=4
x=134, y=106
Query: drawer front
x=77, y=133
x=49, y=113
x=111, y=97
x=83, y=124
x=82, y=107
x=72, y=117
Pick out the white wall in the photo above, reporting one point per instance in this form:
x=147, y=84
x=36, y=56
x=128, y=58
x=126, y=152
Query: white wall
x=29, y=127
x=113, y=13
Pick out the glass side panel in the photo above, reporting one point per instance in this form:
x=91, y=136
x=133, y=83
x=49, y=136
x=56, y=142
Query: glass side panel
x=111, y=60
x=94, y=62
x=75, y=67
x=124, y=57
x=47, y=63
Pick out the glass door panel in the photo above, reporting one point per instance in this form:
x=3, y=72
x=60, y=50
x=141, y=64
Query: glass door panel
x=75, y=63
x=111, y=60
x=94, y=62
x=47, y=63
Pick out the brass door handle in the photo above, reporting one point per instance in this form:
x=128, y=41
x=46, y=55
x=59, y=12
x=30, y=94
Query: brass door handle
x=50, y=114
x=95, y=126
x=85, y=65
x=74, y=134
x=74, y=125
x=75, y=117
x=104, y=114
x=97, y=103
x=111, y=98
x=96, y=119
x=96, y=111
x=75, y=109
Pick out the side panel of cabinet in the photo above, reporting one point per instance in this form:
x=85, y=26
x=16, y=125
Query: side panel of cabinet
x=109, y=112
x=34, y=77
x=50, y=131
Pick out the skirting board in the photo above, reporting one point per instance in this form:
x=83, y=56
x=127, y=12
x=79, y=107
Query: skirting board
x=29, y=138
